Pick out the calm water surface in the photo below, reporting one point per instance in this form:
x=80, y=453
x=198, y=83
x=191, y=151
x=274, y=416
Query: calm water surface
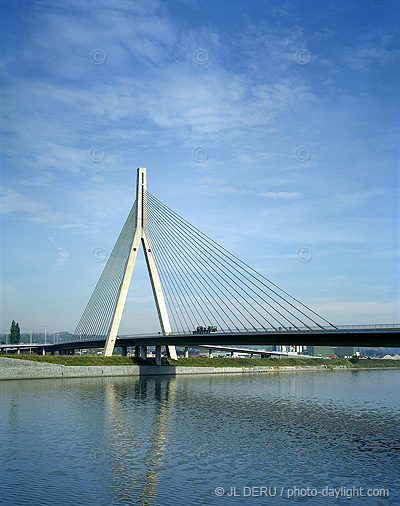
x=202, y=440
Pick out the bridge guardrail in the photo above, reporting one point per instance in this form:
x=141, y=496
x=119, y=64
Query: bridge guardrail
x=280, y=329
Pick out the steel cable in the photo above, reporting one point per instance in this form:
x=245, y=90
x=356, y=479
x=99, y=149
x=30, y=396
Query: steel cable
x=227, y=281
x=193, y=272
x=238, y=292
x=205, y=240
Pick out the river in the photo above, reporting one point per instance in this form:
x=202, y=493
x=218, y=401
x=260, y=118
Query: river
x=267, y=438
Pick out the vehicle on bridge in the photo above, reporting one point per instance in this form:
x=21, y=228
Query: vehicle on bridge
x=211, y=329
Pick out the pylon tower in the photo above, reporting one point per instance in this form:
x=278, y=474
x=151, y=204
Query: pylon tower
x=141, y=236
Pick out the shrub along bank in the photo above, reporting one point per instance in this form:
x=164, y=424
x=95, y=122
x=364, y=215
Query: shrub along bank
x=274, y=362
x=83, y=360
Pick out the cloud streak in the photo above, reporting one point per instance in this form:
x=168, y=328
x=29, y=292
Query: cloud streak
x=281, y=195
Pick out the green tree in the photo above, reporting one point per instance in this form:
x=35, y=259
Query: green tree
x=15, y=333
x=354, y=359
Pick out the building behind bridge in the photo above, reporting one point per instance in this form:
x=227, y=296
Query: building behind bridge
x=329, y=351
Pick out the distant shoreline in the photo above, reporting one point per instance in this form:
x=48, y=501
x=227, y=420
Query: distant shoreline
x=17, y=368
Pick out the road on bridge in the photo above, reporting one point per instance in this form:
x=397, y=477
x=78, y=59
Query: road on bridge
x=366, y=337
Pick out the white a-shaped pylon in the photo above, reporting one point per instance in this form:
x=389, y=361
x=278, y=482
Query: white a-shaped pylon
x=141, y=235
x=207, y=283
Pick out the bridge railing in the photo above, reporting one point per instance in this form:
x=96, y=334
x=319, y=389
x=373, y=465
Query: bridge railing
x=382, y=326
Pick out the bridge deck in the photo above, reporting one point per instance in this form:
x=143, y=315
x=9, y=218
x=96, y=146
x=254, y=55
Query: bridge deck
x=387, y=337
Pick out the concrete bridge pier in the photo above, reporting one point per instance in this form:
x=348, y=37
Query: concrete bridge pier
x=124, y=351
x=210, y=354
x=143, y=352
x=67, y=352
x=186, y=352
x=137, y=351
x=158, y=355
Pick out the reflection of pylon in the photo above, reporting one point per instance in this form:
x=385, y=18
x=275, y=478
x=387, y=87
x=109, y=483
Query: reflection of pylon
x=141, y=235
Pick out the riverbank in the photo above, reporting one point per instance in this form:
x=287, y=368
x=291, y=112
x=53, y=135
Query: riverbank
x=283, y=362
x=99, y=360
x=37, y=367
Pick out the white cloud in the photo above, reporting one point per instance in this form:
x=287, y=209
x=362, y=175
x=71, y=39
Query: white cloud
x=375, y=47
x=212, y=186
x=37, y=210
x=281, y=195
x=336, y=281
x=63, y=254
x=383, y=254
x=73, y=225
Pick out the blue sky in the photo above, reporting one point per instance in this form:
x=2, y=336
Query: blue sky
x=272, y=126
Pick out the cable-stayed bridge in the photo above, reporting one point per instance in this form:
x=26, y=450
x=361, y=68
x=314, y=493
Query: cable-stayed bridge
x=198, y=284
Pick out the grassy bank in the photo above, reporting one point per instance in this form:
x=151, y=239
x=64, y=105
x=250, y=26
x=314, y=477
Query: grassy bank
x=85, y=360
x=273, y=362
x=78, y=359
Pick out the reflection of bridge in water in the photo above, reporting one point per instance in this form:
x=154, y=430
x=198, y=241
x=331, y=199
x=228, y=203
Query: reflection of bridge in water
x=195, y=281
x=125, y=473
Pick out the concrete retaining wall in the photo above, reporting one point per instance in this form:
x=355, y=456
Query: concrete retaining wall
x=11, y=368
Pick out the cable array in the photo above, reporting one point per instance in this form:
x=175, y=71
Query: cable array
x=98, y=313
x=205, y=285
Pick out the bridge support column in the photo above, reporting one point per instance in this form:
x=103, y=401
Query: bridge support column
x=210, y=354
x=186, y=352
x=19, y=351
x=171, y=352
x=232, y=353
x=124, y=351
x=158, y=355
x=137, y=351
x=143, y=352
x=43, y=351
